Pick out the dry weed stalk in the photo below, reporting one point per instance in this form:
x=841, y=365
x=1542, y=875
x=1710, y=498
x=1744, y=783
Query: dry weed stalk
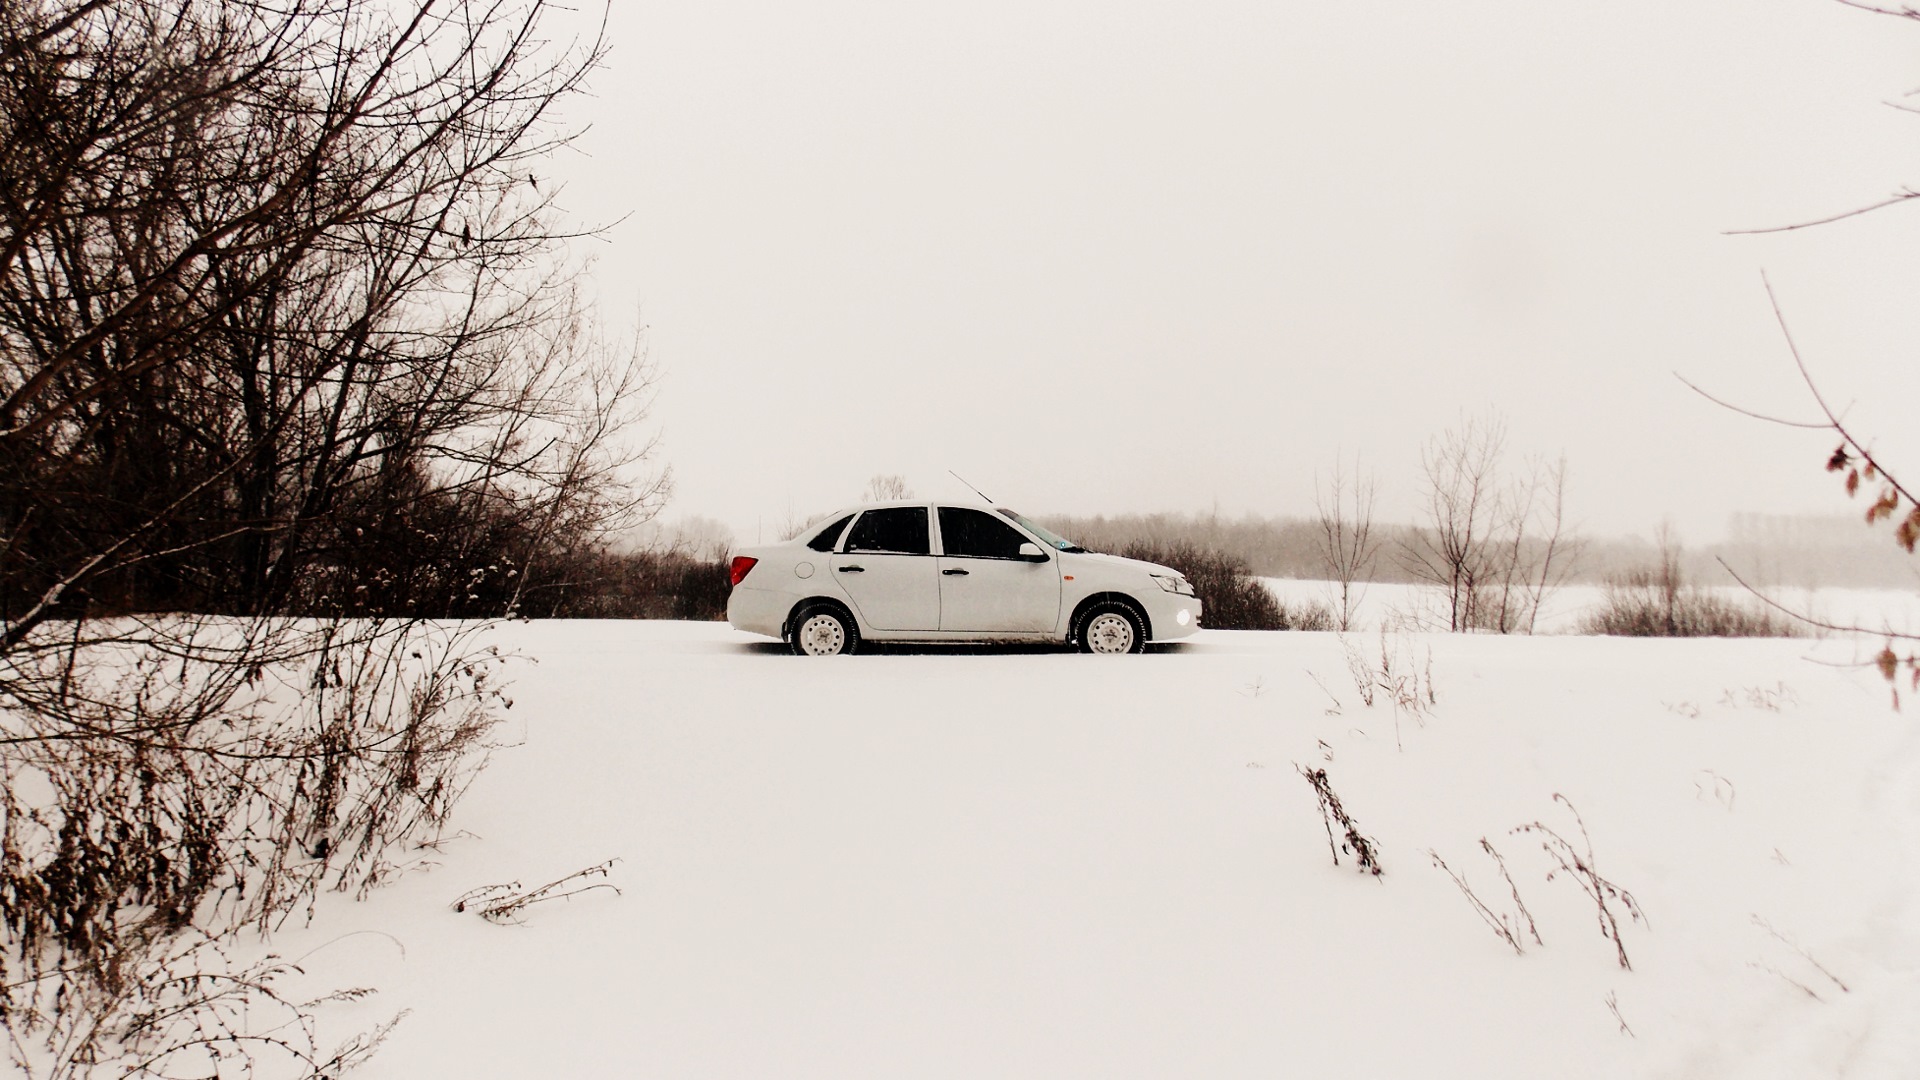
x=1505, y=924
x=1804, y=955
x=1406, y=684
x=1578, y=863
x=1773, y=698
x=1708, y=782
x=504, y=903
x=1613, y=1006
x=1353, y=841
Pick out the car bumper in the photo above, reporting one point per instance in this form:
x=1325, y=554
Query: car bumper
x=1172, y=615
x=758, y=611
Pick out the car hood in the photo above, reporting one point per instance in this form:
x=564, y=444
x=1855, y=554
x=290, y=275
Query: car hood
x=1122, y=561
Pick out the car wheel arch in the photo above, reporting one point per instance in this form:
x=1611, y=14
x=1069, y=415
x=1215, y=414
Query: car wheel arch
x=834, y=602
x=1080, y=610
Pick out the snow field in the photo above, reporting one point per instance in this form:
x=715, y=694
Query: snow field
x=1425, y=606
x=1032, y=864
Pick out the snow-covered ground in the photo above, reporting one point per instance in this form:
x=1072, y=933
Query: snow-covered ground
x=1566, y=607
x=1033, y=864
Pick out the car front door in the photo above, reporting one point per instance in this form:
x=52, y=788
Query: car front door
x=986, y=585
x=887, y=567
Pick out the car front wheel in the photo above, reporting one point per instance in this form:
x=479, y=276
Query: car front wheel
x=1111, y=629
x=823, y=631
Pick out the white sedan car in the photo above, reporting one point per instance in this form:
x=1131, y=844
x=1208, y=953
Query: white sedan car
x=918, y=571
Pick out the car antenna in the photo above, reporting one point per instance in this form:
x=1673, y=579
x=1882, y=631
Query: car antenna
x=976, y=491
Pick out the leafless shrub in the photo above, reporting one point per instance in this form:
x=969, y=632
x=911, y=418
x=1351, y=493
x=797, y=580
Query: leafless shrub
x=1636, y=606
x=1503, y=923
x=166, y=790
x=1352, y=841
x=505, y=903
x=1232, y=598
x=1577, y=863
x=1660, y=602
x=633, y=585
x=1309, y=615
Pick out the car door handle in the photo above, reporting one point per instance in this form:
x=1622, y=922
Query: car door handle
x=955, y=572
x=853, y=569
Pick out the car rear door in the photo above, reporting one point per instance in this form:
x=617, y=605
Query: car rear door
x=887, y=567
x=986, y=585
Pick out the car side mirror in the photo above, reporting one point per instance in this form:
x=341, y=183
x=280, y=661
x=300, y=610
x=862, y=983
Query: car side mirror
x=1032, y=553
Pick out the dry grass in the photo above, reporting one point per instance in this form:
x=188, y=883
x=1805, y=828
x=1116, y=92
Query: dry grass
x=168, y=785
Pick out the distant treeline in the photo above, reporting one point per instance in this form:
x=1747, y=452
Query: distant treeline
x=1791, y=552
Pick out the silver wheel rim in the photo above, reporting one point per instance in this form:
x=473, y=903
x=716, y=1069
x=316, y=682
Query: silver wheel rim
x=822, y=635
x=1110, y=632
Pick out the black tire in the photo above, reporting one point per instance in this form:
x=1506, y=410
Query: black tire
x=1111, y=628
x=823, y=630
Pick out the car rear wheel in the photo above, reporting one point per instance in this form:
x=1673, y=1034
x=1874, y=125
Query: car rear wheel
x=1111, y=629
x=823, y=631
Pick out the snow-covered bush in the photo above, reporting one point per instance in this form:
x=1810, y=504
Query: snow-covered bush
x=1652, y=604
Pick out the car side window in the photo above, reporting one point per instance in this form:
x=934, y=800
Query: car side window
x=900, y=530
x=824, y=540
x=972, y=534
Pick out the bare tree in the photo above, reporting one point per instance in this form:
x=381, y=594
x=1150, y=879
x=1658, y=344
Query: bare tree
x=1495, y=544
x=1343, y=508
x=1505, y=608
x=1561, y=551
x=1534, y=554
x=1456, y=548
x=275, y=285
x=1667, y=578
x=883, y=486
x=287, y=327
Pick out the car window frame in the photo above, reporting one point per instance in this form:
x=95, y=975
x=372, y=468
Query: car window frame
x=926, y=511
x=1001, y=519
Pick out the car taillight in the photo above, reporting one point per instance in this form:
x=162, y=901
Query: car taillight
x=741, y=564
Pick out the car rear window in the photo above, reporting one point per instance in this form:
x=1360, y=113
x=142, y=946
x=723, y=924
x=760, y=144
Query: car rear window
x=901, y=530
x=823, y=540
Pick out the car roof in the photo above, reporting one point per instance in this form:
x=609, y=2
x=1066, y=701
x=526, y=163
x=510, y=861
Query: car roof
x=966, y=504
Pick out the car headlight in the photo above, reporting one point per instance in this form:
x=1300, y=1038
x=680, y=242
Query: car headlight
x=1173, y=583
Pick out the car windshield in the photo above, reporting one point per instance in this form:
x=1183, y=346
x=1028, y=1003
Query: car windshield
x=1048, y=535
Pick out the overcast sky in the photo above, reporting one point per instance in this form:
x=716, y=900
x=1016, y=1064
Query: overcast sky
x=1129, y=256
